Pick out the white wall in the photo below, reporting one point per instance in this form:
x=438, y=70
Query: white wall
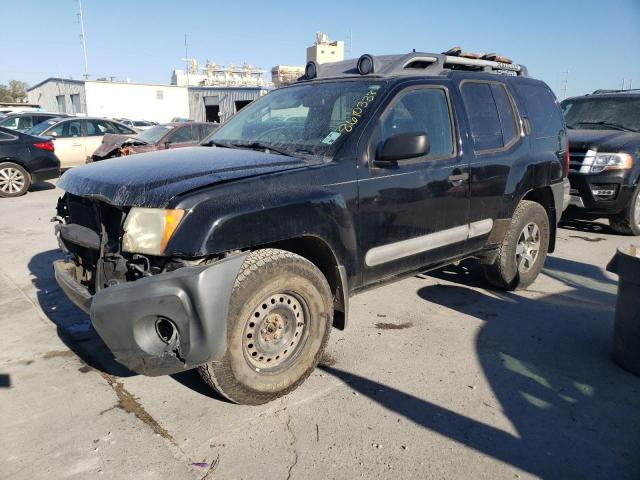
x=137, y=102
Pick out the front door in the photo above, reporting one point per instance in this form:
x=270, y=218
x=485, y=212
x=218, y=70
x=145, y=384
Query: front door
x=414, y=213
x=68, y=142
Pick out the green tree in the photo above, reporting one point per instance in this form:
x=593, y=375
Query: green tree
x=16, y=91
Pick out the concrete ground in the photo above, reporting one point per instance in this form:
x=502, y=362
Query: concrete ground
x=436, y=377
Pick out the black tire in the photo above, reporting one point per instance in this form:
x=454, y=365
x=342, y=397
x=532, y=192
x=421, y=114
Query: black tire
x=505, y=273
x=627, y=222
x=14, y=180
x=271, y=290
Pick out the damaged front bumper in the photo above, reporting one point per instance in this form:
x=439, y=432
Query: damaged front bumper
x=161, y=324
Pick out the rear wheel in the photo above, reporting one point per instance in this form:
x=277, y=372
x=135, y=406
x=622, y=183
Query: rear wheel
x=524, y=249
x=627, y=222
x=14, y=180
x=280, y=317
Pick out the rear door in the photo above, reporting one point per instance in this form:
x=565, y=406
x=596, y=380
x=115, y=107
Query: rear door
x=68, y=142
x=497, y=154
x=414, y=213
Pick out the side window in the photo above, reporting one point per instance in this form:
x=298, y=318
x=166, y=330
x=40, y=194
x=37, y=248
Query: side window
x=123, y=129
x=422, y=110
x=66, y=129
x=506, y=113
x=25, y=122
x=99, y=128
x=207, y=129
x=542, y=109
x=483, y=116
x=183, y=135
x=4, y=137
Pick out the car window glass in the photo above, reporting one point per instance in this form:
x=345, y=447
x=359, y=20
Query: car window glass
x=207, y=129
x=183, y=135
x=66, y=129
x=99, y=127
x=25, y=122
x=483, y=116
x=11, y=122
x=505, y=112
x=542, y=110
x=5, y=137
x=423, y=110
x=122, y=129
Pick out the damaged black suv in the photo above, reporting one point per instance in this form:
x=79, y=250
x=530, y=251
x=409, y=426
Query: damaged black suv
x=238, y=257
x=604, y=141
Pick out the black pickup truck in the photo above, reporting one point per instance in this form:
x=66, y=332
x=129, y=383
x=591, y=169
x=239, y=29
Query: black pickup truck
x=238, y=257
x=604, y=141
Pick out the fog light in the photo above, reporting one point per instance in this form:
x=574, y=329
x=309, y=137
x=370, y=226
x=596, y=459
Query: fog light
x=166, y=330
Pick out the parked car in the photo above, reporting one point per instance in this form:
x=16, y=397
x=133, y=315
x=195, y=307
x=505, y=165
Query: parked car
x=24, y=160
x=77, y=138
x=604, y=139
x=23, y=121
x=159, y=137
x=138, y=125
x=239, y=258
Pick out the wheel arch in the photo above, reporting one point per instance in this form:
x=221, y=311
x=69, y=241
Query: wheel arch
x=544, y=196
x=320, y=253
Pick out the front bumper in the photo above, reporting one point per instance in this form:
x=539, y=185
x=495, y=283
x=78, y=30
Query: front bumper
x=583, y=186
x=194, y=300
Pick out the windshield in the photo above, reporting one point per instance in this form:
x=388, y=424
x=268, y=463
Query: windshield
x=618, y=113
x=154, y=134
x=41, y=127
x=308, y=118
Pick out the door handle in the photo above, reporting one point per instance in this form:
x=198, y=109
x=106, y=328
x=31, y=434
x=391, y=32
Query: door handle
x=76, y=144
x=459, y=179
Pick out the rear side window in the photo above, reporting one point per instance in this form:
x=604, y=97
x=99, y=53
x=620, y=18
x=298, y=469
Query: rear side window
x=491, y=116
x=184, y=135
x=5, y=137
x=542, y=109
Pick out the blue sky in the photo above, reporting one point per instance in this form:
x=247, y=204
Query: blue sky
x=598, y=42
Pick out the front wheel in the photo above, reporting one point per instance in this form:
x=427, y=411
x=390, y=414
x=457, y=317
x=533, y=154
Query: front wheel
x=280, y=317
x=627, y=222
x=524, y=249
x=14, y=180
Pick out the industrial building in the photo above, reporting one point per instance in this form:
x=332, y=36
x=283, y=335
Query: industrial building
x=154, y=102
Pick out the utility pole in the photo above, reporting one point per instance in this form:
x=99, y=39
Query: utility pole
x=565, y=81
x=186, y=58
x=82, y=40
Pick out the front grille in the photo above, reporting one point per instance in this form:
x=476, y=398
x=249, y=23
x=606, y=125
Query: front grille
x=576, y=157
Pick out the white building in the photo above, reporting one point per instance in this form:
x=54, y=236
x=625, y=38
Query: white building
x=138, y=101
x=324, y=50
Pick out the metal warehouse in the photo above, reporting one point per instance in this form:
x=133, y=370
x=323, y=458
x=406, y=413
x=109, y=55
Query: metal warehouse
x=155, y=102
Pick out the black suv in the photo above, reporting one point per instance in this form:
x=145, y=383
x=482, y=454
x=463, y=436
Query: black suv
x=238, y=258
x=604, y=141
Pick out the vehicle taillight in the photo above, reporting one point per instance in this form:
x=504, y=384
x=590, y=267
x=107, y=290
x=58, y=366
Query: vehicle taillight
x=48, y=145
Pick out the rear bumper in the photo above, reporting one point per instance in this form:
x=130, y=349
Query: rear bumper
x=45, y=174
x=193, y=300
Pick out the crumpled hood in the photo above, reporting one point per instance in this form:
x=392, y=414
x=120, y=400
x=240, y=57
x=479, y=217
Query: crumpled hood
x=153, y=179
x=612, y=141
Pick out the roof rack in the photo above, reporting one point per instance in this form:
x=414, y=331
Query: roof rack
x=628, y=90
x=414, y=63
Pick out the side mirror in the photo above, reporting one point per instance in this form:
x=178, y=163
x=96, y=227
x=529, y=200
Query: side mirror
x=402, y=146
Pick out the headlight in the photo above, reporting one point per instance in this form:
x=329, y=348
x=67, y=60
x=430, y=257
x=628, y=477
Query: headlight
x=611, y=161
x=148, y=230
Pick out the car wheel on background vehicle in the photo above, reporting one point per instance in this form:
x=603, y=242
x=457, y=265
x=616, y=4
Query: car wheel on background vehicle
x=280, y=317
x=524, y=249
x=14, y=180
x=627, y=222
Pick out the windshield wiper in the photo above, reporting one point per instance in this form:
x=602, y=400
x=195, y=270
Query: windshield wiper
x=615, y=126
x=260, y=146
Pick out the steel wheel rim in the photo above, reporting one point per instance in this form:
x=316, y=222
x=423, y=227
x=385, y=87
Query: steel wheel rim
x=275, y=332
x=11, y=180
x=528, y=247
x=637, y=210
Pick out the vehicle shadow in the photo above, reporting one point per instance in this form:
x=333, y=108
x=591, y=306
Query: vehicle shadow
x=73, y=325
x=547, y=359
x=41, y=186
x=586, y=223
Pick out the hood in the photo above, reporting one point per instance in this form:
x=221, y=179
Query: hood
x=612, y=141
x=111, y=141
x=153, y=179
